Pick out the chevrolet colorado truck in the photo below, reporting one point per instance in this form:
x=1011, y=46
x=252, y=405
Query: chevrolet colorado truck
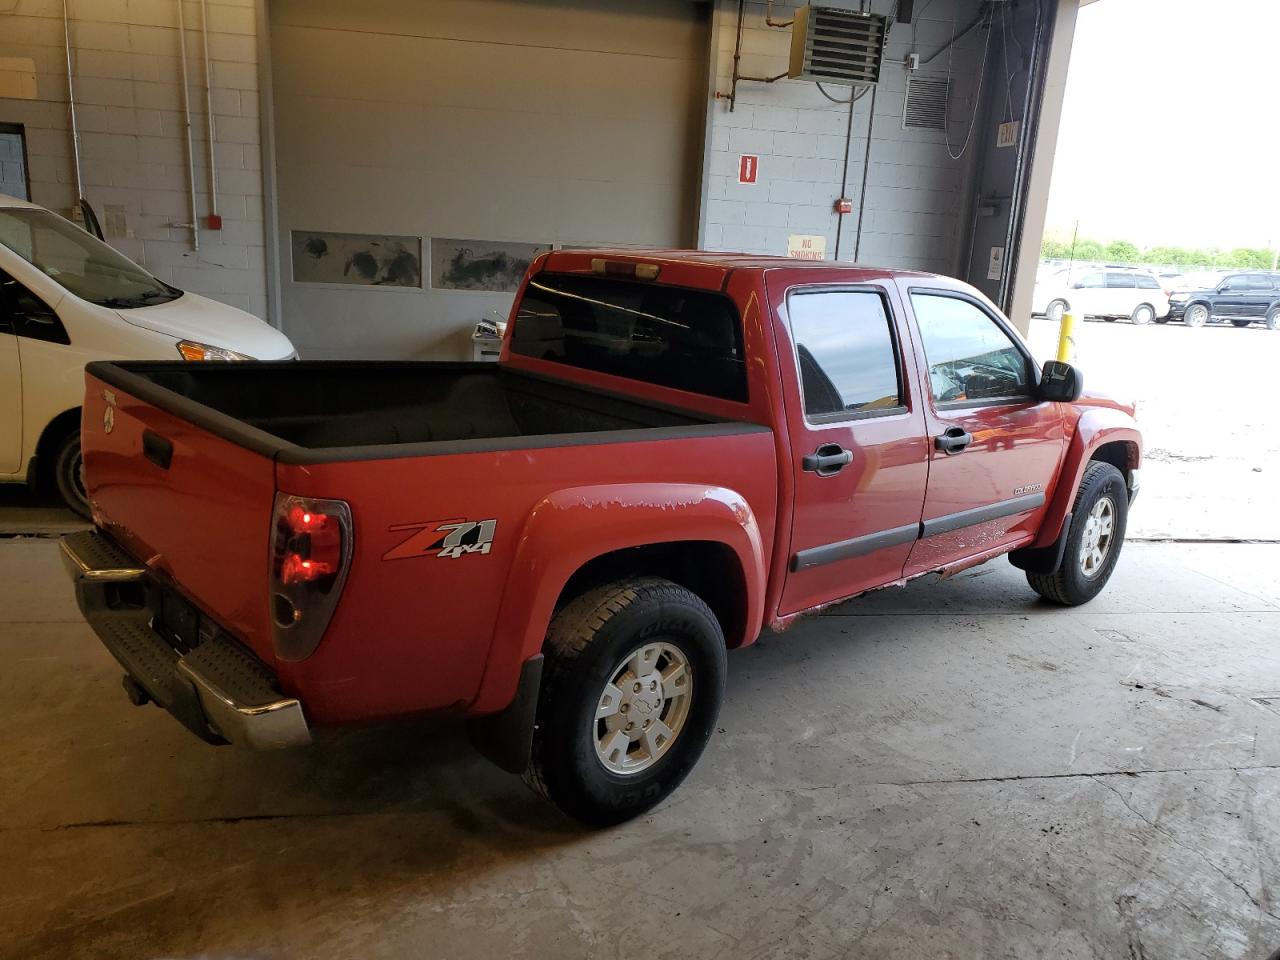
x=675, y=452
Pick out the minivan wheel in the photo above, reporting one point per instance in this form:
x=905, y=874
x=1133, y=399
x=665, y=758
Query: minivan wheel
x=1197, y=315
x=1273, y=317
x=68, y=474
x=631, y=689
x=1056, y=309
x=1098, y=520
x=1142, y=314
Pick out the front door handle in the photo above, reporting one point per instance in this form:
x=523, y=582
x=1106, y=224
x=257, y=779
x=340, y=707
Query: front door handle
x=828, y=460
x=954, y=440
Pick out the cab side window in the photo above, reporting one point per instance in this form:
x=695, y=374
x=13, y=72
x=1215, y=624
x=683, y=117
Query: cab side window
x=24, y=314
x=970, y=355
x=846, y=353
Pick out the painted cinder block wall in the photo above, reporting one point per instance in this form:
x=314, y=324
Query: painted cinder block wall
x=133, y=146
x=914, y=212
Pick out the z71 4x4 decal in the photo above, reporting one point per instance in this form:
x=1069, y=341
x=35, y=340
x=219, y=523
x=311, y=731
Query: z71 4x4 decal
x=443, y=538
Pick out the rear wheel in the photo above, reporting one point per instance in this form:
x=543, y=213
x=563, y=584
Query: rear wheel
x=1142, y=314
x=1094, y=539
x=1056, y=309
x=1273, y=317
x=631, y=690
x=1196, y=315
x=68, y=474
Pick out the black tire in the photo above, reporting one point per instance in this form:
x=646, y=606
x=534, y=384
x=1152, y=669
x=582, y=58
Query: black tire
x=1068, y=585
x=1056, y=309
x=587, y=641
x=1241, y=321
x=1142, y=314
x=1164, y=319
x=1196, y=315
x=68, y=474
x=1273, y=317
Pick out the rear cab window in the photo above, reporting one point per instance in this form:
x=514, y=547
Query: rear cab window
x=667, y=336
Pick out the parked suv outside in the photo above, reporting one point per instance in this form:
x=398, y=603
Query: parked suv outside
x=1241, y=298
x=1110, y=293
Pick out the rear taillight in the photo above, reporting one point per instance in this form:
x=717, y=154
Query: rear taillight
x=310, y=555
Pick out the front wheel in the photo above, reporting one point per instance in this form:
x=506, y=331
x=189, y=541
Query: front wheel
x=1056, y=309
x=1142, y=314
x=1098, y=520
x=68, y=474
x=1197, y=315
x=631, y=689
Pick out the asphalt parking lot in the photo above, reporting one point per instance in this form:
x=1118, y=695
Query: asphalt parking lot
x=953, y=769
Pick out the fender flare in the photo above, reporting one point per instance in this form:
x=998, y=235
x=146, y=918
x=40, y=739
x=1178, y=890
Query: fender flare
x=568, y=528
x=1096, y=426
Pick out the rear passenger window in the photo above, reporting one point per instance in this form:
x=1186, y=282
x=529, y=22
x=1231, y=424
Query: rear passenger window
x=1147, y=283
x=1120, y=280
x=969, y=354
x=846, y=354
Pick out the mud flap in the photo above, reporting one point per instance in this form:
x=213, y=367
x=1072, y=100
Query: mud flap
x=506, y=737
x=1043, y=559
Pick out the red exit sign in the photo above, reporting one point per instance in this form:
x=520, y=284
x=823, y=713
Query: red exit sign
x=748, y=167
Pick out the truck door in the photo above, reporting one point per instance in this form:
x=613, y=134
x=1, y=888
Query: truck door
x=857, y=438
x=10, y=385
x=994, y=447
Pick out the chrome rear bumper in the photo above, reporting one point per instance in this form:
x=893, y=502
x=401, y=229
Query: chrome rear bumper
x=217, y=689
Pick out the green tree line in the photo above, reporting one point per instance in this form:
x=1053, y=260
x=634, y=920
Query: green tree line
x=1122, y=251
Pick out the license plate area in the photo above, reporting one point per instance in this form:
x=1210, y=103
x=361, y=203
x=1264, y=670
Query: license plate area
x=179, y=621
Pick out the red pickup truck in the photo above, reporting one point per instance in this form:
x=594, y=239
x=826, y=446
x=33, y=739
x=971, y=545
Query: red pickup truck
x=675, y=452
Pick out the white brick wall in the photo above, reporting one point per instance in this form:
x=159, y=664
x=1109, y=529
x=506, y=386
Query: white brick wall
x=912, y=211
x=133, y=150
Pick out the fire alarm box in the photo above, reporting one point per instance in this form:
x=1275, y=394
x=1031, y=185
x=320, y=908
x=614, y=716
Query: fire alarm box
x=844, y=205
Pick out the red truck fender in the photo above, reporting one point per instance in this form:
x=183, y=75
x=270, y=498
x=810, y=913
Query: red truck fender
x=569, y=528
x=1097, y=427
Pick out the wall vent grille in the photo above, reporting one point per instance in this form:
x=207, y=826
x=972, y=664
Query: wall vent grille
x=925, y=106
x=833, y=44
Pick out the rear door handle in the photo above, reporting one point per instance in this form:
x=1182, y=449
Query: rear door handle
x=828, y=460
x=954, y=440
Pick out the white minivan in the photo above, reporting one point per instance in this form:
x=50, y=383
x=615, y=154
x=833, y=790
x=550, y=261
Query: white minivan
x=1110, y=292
x=67, y=298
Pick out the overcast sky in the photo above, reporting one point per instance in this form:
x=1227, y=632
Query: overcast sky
x=1170, y=128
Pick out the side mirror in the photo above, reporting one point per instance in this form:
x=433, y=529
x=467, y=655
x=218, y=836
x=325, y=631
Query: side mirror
x=1061, y=382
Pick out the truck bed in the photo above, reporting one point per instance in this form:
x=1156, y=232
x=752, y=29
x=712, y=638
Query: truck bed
x=345, y=408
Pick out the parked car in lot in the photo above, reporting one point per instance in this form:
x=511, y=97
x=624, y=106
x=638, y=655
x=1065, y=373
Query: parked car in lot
x=67, y=298
x=1111, y=293
x=1242, y=298
x=673, y=452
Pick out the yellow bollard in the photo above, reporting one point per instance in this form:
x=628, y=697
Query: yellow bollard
x=1066, y=338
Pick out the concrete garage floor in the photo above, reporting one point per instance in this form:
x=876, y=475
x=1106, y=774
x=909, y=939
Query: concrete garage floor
x=950, y=770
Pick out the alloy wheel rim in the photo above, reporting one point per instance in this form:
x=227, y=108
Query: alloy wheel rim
x=1099, y=535
x=77, y=478
x=1143, y=315
x=1196, y=316
x=643, y=708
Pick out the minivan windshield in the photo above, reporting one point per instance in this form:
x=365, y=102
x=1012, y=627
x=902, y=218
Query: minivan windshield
x=82, y=263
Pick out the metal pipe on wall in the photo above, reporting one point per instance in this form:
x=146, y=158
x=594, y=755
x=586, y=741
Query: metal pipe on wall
x=71, y=103
x=186, y=120
x=208, y=98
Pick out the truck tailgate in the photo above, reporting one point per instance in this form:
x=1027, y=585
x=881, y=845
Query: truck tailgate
x=193, y=507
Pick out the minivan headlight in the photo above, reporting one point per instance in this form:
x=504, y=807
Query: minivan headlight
x=191, y=350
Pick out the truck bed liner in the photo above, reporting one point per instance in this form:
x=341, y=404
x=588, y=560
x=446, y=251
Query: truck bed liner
x=327, y=410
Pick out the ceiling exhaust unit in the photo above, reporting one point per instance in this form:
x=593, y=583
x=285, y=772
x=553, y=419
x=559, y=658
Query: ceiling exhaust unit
x=832, y=42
